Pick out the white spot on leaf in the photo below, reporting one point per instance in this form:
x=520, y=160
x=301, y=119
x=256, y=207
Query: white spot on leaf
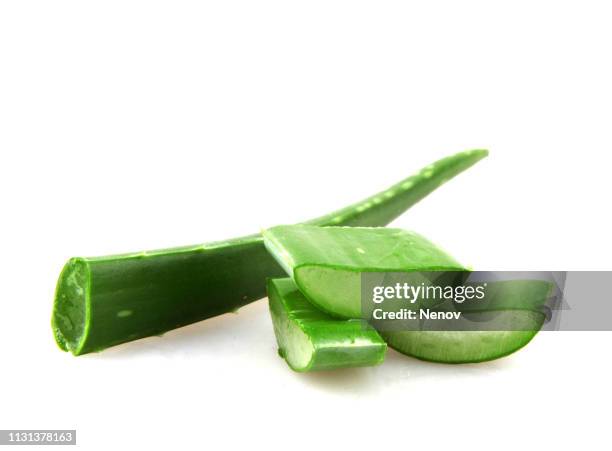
x=124, y=313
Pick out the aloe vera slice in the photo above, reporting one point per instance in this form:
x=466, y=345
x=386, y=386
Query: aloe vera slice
x=310, y=340
x=104, y=301
x=466, y=346
x=326, y=264
x=512, y=315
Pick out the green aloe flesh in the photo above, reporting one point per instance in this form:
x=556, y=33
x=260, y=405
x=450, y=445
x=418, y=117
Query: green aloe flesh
x=310, y=340
x=326, y=264
x=104, y=301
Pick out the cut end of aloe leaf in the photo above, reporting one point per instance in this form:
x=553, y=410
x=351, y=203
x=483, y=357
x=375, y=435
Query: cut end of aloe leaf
x=294, y=345
x=336, y=291
x=70, y=309
x=310, y=340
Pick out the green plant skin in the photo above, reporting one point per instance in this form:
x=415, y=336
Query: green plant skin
x=326, y=264
x=310, y=340
x=104, y=301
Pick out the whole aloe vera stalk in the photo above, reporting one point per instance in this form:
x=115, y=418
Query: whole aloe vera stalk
x=310, y=340
x=326, y=264
x=105, y=301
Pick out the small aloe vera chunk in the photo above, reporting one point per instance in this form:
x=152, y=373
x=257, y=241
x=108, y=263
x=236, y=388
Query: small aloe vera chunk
x=310, y=340
x=326, y=262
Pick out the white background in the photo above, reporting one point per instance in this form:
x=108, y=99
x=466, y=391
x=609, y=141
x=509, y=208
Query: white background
x=130, y=125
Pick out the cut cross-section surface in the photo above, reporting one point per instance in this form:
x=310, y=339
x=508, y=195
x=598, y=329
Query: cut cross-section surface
x=310, y=340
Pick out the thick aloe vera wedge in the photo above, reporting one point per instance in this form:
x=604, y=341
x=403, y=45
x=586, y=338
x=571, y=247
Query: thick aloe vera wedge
x=310, y=340
x=326, y=264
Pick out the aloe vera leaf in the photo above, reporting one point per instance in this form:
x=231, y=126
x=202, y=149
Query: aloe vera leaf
x=104, y=301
